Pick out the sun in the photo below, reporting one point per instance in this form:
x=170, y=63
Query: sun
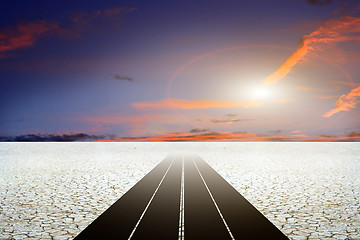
x=261, y=92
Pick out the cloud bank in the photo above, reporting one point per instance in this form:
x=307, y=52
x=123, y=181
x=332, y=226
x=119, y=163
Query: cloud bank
x=76, y=137
x=238, y=137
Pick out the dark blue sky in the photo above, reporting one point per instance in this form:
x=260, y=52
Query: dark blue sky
x=137, y=68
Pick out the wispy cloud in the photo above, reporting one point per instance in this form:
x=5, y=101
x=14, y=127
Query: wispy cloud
x=172, y=103
x=347, y=7
x=353, y=136
x=274, y=132
x=307, y=88
x=86, y=20
x=328, y=97
x=231, y=120
x=197, y=130
x=123, y=77
x=141, y=124
x=345, y=102
x=108, y=13
x=27, y=33
x=137, y=123
x=350, y=84
x=319, y=2
x=333, y=31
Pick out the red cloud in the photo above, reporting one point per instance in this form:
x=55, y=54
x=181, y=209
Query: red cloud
x=25, y=35
x=172, y=103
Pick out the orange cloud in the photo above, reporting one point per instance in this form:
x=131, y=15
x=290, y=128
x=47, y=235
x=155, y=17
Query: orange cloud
x=332, y=31
x=299, y=135
x=353, y=136
x=187, y=137
x=236, y=137
x=345, y=102
x=286, y=67
x=25, y=35
x=172, y=103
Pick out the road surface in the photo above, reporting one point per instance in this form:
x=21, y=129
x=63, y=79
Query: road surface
x=182, y=198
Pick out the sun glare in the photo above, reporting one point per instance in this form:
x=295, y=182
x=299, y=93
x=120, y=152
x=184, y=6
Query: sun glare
x=261, y=92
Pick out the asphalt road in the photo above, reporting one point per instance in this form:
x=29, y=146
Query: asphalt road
x=182, y=197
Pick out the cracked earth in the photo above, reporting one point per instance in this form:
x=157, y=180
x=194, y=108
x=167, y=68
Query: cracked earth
x=53, y=191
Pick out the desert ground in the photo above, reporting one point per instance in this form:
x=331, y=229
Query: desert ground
x=54, y=190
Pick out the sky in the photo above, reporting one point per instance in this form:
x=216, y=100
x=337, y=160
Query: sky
x=207, y=70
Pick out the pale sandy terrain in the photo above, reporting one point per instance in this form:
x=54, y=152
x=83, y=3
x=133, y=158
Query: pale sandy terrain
x=54, y=190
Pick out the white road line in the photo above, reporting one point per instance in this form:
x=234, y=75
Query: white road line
x=222, y=217
x=182, y=209
x=147, y=206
